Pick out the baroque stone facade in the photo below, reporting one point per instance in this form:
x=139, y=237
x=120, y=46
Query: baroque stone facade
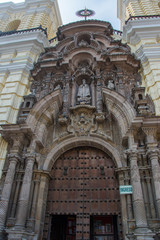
x=86, y=129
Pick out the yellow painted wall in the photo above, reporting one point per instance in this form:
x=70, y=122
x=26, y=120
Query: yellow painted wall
x=142, y=7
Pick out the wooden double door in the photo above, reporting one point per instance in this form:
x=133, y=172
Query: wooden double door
x=83, y=197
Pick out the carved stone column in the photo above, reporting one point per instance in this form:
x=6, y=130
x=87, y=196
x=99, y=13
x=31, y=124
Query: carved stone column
x=150, y=195
x=34, y=201
x=153, y=155
x=41, y=204
x=6, y=192
x=138, y=201
x=142, y=231
x=25, y=192
x=18, y=182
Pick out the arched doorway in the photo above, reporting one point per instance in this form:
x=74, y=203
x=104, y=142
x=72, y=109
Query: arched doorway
x=83, y=198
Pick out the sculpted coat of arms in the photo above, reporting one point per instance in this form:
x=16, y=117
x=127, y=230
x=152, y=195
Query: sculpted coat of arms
x=82, y=120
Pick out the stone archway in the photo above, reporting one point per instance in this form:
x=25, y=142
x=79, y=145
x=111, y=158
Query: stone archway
x=84, y=186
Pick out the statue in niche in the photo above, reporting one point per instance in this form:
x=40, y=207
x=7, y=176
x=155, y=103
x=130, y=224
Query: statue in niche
x=84, y=95
x=110, y=84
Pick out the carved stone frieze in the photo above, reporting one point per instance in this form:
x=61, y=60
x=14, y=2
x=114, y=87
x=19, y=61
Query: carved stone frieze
x=45, y=85
x=150, y=131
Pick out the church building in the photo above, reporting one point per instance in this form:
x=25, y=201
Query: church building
x=80, y=124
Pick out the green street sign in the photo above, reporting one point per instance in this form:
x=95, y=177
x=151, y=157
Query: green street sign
x=126, y=189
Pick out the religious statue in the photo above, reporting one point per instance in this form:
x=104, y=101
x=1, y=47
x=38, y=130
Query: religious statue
x=83, y=95
x=57, y=87
x=111, y=84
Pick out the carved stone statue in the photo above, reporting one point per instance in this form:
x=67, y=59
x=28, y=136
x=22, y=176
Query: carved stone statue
x=57, y=87
x=111, y=84
x=83, y=95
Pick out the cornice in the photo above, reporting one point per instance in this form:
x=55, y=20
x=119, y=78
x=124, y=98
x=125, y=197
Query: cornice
x=148, y=52
x=23, y=40
x=138, y=29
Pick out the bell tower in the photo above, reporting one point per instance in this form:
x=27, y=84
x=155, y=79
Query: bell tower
x=127, y=8
x=141, y=30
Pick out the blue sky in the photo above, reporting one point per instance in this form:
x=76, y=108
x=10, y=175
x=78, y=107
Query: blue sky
x=105, y=10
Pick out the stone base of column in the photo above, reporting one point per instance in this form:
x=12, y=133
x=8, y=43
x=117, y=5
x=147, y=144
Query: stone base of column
x=15, y=234
x=143, y=234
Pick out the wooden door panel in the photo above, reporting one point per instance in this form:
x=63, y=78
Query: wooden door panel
x=83, y=190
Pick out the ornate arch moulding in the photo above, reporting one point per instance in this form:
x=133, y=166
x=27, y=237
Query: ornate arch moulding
x=73, y=142
x=122, y=110
x=47, y=108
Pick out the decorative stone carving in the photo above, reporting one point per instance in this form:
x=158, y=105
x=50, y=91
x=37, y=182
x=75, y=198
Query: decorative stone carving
x=150, y=132
x=100, y=117
x=82, y=120
x=111, y=84
x=142, y=103
x=83, y=43
x=135, y=174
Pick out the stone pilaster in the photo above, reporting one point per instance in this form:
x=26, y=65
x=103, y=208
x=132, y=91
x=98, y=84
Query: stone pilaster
x=6, y=192
x=25, y=192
